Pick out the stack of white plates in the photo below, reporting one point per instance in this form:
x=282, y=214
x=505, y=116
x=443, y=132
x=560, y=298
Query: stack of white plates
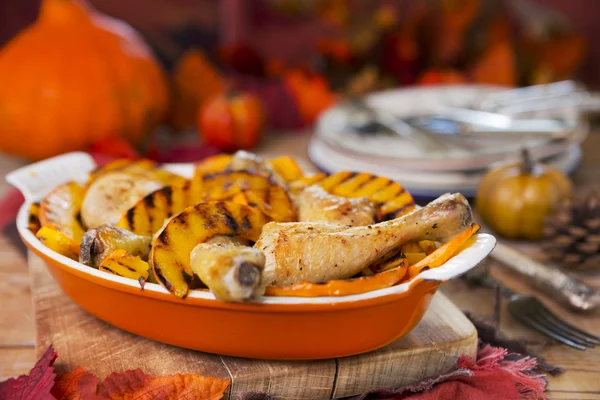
x=338, y=147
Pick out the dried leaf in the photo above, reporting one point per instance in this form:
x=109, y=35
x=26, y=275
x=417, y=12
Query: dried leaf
x=36, y=385
x=123, y=385
x=78, y=384
x=137, y=385
x=189, y=386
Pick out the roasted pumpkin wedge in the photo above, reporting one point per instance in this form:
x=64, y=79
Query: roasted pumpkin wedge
x=59, y=242
x=170, y=256
x=33, y=223
x=389, y=197
x=60, y=210
x=390, y=260
x=213, y=164
x=261, y=192
x=443, y=253
x=343, y=287
x=121, y=263
x=148, y=215
x=286, y=168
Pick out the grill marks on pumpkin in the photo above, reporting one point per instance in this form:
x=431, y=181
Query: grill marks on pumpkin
x=172, y=249
x=389, y=197
x=147, y=216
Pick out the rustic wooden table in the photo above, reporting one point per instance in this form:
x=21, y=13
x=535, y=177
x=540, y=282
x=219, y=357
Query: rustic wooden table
x=581, y=380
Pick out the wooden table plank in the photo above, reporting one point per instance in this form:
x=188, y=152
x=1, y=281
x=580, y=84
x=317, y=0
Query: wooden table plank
x=16, y=361
x=17, y=331
x=432, y=336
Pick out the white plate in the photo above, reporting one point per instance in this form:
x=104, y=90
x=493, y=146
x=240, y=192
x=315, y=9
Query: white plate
x=421, y=183
x=396, y=152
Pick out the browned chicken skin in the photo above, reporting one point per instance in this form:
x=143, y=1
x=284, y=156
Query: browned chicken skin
x=314, y=204
x=313, y=251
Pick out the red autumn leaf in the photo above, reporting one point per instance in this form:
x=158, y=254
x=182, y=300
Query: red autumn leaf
x=118, y=386
x=75, y=385
x=36, y=385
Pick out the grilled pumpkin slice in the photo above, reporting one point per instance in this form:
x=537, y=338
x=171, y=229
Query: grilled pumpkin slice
x=59, y=242
x=345, y=287
x=443, y=253
x=389, y=197
x=284, y=167
x=271, y=198
x=170, y=256
x=148, y=215
x=213, y=164
x=121, y=263
x=60, y=210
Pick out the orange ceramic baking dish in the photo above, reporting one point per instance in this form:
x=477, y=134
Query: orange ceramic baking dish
x=272, y=327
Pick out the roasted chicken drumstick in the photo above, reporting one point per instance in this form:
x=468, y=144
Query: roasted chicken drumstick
x=314, y=204
x=312, y=251
x=230, y=269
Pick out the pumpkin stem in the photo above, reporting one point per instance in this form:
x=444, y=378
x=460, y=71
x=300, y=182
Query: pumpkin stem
x=527, y=164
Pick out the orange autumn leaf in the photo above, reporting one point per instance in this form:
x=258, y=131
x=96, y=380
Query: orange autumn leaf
x=137, y=385
x=496, y=66
x=123, y=385
x=188, y=386
x=78, y=384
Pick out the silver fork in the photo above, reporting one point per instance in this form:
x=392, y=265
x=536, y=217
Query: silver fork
x=530, y=311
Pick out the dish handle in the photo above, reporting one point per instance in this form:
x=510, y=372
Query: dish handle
x=37, y=179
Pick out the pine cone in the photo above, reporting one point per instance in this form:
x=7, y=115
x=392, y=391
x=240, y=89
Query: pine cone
x=572, y=232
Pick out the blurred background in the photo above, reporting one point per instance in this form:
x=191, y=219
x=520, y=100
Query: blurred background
x=176, y=81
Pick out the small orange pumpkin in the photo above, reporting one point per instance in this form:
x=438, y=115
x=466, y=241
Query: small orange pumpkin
x=513, y=199
x=231, y=121
x=74, y=77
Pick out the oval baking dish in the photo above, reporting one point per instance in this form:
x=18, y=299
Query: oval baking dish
x=271, y=327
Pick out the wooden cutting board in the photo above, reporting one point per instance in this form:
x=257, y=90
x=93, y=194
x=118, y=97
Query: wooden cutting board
x=83, y=340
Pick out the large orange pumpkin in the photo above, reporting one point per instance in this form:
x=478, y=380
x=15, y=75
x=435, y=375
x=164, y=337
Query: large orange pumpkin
x=73, y=77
